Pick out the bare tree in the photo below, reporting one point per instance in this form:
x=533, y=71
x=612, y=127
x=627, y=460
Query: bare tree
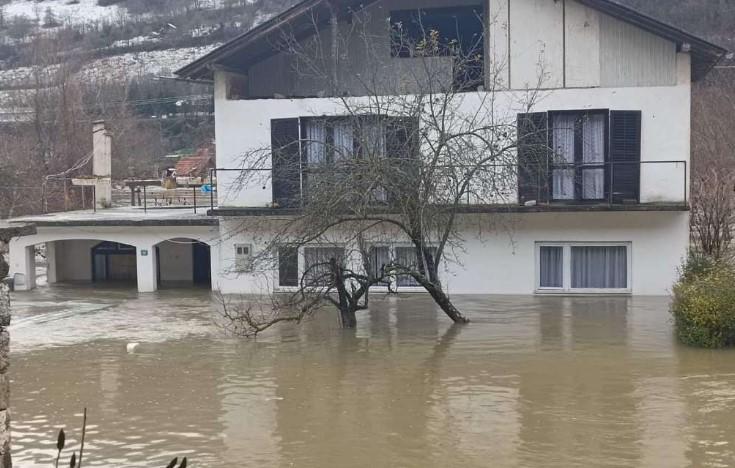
x=414, y=156
x=713, y=180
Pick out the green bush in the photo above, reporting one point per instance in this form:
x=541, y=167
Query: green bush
x=704, y=304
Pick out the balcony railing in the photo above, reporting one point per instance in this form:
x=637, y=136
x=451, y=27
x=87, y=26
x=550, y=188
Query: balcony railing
x=642, y=183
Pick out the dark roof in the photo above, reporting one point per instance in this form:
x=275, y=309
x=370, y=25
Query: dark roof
x=299, y=21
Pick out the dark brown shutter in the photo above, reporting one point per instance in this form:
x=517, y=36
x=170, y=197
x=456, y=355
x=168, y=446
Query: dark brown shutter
x=625, y=155
x=286, y=162
x=402, y=150
x=533, y=157
x=288, y=266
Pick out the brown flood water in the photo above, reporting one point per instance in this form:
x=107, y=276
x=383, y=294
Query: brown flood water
x=532, y=382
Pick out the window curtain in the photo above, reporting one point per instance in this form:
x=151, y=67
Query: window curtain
x=593, y=153
x=344, y=141
x=599, y=267
x=316, y=260
x=552, y=267
x=563, y=145
x=316, y=141
x=379, y=259
x=373, y=135
x=406, y=256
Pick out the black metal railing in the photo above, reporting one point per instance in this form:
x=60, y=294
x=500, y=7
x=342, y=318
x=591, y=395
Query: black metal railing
x=639, y=176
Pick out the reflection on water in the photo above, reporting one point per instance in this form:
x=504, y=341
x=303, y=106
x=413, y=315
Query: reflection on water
x=532, y=382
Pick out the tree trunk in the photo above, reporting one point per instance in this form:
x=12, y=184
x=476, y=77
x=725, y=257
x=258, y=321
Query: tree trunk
x=348, y=317
x=443, y=301
x=347, y=313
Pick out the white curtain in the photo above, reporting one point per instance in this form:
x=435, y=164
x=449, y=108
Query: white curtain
x=552, y=267
x=563, y=145
x=593, y=152
x=379, y=259
x=344, y=140
x=600, y=267
x=406, y=256
x=373, y=134
x=316, y=141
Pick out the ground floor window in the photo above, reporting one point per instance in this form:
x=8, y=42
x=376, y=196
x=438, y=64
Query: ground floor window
x=317, y=269
x=580, y=267
x=312, y=265
x=383, y=256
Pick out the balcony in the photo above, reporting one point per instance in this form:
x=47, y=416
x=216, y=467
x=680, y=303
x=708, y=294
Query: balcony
x=610, y=186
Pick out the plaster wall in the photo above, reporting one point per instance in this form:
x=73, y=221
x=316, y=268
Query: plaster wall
x=243, y=131
x=73, y=250
x=499, y=252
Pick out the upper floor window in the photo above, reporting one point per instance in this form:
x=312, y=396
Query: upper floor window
x=312, y=152
x=579, y=156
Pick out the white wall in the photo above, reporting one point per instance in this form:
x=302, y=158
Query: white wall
x=502, y=259
x=78, y=266
x=244, y=131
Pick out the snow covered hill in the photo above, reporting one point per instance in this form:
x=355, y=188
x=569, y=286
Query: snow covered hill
x=65, y=11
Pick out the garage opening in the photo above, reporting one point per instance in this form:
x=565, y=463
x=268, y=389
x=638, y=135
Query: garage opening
x=183, y=263
x=114, y=263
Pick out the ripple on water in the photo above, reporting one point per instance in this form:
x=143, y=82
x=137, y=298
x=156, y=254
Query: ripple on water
x=536, y=382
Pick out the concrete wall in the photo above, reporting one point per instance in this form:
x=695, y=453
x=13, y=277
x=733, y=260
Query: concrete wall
x=558, y=44
x=244, y=132
x=499, y=252
x=80, y=240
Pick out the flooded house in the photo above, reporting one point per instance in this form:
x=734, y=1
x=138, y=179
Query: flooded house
x=607, y=213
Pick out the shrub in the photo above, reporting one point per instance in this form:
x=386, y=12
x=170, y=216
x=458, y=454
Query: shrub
x=704, y=304
x=696, y=264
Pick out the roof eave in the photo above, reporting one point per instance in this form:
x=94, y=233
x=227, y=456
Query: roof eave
x=705, y=53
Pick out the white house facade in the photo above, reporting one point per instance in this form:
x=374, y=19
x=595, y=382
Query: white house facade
x=611, y=218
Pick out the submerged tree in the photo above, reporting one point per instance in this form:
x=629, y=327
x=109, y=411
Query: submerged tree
x=413, y=154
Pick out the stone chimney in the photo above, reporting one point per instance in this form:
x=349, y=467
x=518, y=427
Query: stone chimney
x=102, y=163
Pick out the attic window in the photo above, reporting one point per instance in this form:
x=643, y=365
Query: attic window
x=437, y=31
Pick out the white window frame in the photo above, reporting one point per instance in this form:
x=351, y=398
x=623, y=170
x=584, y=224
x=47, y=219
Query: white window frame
x=567, y=268
x=243, y=262
x=399, y=289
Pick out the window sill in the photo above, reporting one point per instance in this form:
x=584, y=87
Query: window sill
x=583, y=292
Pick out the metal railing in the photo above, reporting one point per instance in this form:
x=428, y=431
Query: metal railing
x=545, y=188
x=509, y=174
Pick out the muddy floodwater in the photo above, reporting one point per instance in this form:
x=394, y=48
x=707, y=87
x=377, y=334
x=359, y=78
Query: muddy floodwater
x=532, y=382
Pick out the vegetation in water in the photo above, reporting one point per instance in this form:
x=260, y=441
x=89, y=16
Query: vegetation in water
x=76, y=462
x=704, y=303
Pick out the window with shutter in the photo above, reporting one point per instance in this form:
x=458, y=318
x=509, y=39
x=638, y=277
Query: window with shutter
x=286, y=150
x=579, y=155
x=533, y=157
x=625, y=155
